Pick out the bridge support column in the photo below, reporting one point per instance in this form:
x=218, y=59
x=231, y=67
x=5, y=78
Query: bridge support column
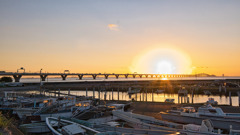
x=140, y=76
x=134, y=76
x=94, y=76
x=106, y=76
x=126, y=76
x=117, y=76
x=80, y=77
x=43, y=77
x=17, y=77
x=146, y=76
x=151, y=76
x=64, y=77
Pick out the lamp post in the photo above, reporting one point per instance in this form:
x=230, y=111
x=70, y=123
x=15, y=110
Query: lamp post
x=40, y=76
x=21, y=69
x=40, y=82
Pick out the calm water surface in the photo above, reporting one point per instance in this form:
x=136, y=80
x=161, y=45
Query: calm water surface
x=149, y=97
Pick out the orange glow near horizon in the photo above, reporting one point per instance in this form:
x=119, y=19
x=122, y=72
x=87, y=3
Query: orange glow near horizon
x=163, y=61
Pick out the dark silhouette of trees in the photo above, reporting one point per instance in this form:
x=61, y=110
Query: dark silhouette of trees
x=6, y=79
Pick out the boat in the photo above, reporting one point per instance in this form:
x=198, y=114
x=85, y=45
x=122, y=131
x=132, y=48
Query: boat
x=35, y=128
x=63, y=113
x=80, y=107
x=206, y=92
x=65, y=127
x=206, y=128
x=143, y=122
x=169, y=100
x=160, y=91
x=25, y=111
x=60, y=107
x=133, y=91
x=216, y=115
x=212, y=101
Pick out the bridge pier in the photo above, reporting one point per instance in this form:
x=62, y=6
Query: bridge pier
x=151, y=76
x=80, y=77
x=146, y=76
x=134, y=76
x=106, y=76
x=64, y=77
x=126, y=76
x=43, y=77
x=117, y=76
x=17, y=77
x=140, y=76
x=94, y=76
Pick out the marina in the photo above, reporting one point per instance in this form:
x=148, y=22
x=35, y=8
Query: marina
x=119, y=67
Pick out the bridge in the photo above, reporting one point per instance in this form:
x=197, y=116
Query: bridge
x=17, y=76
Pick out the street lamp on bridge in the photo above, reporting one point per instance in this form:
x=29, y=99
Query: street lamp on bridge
x=66, y=71
x=21, y=69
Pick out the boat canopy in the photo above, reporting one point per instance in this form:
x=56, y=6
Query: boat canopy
x=73, y=129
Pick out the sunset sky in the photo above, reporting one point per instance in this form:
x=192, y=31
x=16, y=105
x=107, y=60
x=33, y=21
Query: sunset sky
x=121, y=36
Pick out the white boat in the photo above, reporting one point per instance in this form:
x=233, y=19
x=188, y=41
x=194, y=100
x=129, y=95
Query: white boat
x=216, y=115
x=138, y=121
x=65, y=113
x=205, y=128
x=24, y=112
x=212, y=101
x=60, y=107
x=64, y=127
x=208, y=111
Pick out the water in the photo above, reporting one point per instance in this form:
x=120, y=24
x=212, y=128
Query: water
x=140, y=96
x=155, y=97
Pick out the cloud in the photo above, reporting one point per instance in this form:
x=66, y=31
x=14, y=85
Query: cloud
x=113, y=27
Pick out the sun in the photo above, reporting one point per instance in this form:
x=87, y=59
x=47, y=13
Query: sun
x=163, y=61
x=165, y=67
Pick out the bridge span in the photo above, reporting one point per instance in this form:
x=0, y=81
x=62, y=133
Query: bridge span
x=17, y=76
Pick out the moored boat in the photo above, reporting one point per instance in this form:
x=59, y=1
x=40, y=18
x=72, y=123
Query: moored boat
x=60, y=126
x=35, y=128
x=219, y=119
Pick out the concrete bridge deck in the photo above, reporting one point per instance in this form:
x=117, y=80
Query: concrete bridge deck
x=17, y=76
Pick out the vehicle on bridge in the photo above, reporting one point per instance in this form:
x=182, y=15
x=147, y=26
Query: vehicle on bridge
x=14, y=84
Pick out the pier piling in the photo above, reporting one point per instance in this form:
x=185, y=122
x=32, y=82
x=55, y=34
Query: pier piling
x=93, y=92
x=112, y=94
x=99, y=94
x=58, y=93
x=118, y=93
x=230, y=98
x=146, y=95
x=239, y=98
x=152, y=95
x=68, y=92
x=192, y=95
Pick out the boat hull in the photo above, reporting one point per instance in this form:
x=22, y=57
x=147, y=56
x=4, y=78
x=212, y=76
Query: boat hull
x=35, y=128
x=217, y=122
x=56, y=115
x=24, y=112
